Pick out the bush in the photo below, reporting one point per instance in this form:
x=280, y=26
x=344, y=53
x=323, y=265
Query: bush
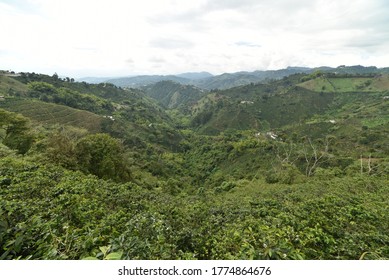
x=285, y=174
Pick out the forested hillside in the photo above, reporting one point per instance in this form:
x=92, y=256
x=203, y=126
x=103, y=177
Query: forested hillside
x=292, y=168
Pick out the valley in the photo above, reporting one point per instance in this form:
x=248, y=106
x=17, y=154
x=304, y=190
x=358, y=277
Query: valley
x=283, y=164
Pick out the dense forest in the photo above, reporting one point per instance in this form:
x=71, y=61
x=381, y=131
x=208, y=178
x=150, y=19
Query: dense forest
x=291, y=168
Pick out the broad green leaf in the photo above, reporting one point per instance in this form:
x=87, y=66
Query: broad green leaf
x=104, y=249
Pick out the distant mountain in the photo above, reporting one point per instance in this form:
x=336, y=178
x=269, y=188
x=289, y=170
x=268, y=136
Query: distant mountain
x=225, y=81
x=207, y=81
x=144, y=80
x=358, y=69
x=94, y=80
x=195, y=75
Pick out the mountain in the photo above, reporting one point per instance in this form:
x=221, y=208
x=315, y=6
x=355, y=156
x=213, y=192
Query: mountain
x=208, y=81
x=226, y=80
x=144, y=80
x=94, y=80
x=230, y=80
x=195, y=75
x=287, y=101
x=173, y=95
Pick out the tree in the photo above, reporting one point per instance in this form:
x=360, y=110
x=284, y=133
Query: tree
x=103, y=156
x=15, y=131
x=315, y=153
x=39, y=89
x=60, y=146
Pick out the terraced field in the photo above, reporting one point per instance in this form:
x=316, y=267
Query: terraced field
x=341, y=84
x=48, y=113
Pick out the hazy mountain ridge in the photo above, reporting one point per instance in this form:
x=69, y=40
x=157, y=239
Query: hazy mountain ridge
x=208, y=81
x=144, y=80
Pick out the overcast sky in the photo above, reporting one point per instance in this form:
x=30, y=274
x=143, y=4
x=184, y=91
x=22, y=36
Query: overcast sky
x=79, y=38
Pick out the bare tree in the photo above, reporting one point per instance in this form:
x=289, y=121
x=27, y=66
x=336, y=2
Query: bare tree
x=286, y=153
x=315, y=153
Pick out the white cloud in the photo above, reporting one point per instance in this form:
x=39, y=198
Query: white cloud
x=118, y=37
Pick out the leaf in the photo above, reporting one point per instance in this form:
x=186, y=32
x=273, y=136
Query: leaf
x=104, y=249
x=114, y=256
x=363, y=255
x=18, y=243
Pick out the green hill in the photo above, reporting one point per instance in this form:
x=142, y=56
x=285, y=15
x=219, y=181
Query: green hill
x=331, y=83
x=124, y=113
x=10, y=86
x=287, y=102
x=172, y=95
x=48, y=113
x=260, y=107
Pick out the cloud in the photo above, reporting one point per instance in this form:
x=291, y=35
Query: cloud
x=86, y=49
x=129, y=61
x=157, y=60
x=20, y=6
x=211, y=35
x=171, y=43
x=247, y=44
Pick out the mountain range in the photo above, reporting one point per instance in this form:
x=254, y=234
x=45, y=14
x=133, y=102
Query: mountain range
x=207, y=81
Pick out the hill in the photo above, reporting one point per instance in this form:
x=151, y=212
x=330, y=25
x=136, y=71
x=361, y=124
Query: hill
x=123, y=113
x=10, y=86
x=288, y=102
x=339, y=83
x=173, y=95
x=48, y=113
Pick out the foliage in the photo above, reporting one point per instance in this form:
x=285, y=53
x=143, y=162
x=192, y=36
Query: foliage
x=102, y=155
x=15, y=131
x=53, y=114
x=48, y=93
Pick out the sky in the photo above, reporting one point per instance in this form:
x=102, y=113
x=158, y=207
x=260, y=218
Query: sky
x=107, y=38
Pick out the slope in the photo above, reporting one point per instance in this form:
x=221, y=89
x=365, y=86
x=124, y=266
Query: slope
x=48, y=113
x=10, y=86
x=123, y=113
x=286, y=102
x=174, y=95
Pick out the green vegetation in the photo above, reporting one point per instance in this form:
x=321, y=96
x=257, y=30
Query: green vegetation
x=296, y=168
x=331, y=83
x=172, y=95
x=48, y=113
